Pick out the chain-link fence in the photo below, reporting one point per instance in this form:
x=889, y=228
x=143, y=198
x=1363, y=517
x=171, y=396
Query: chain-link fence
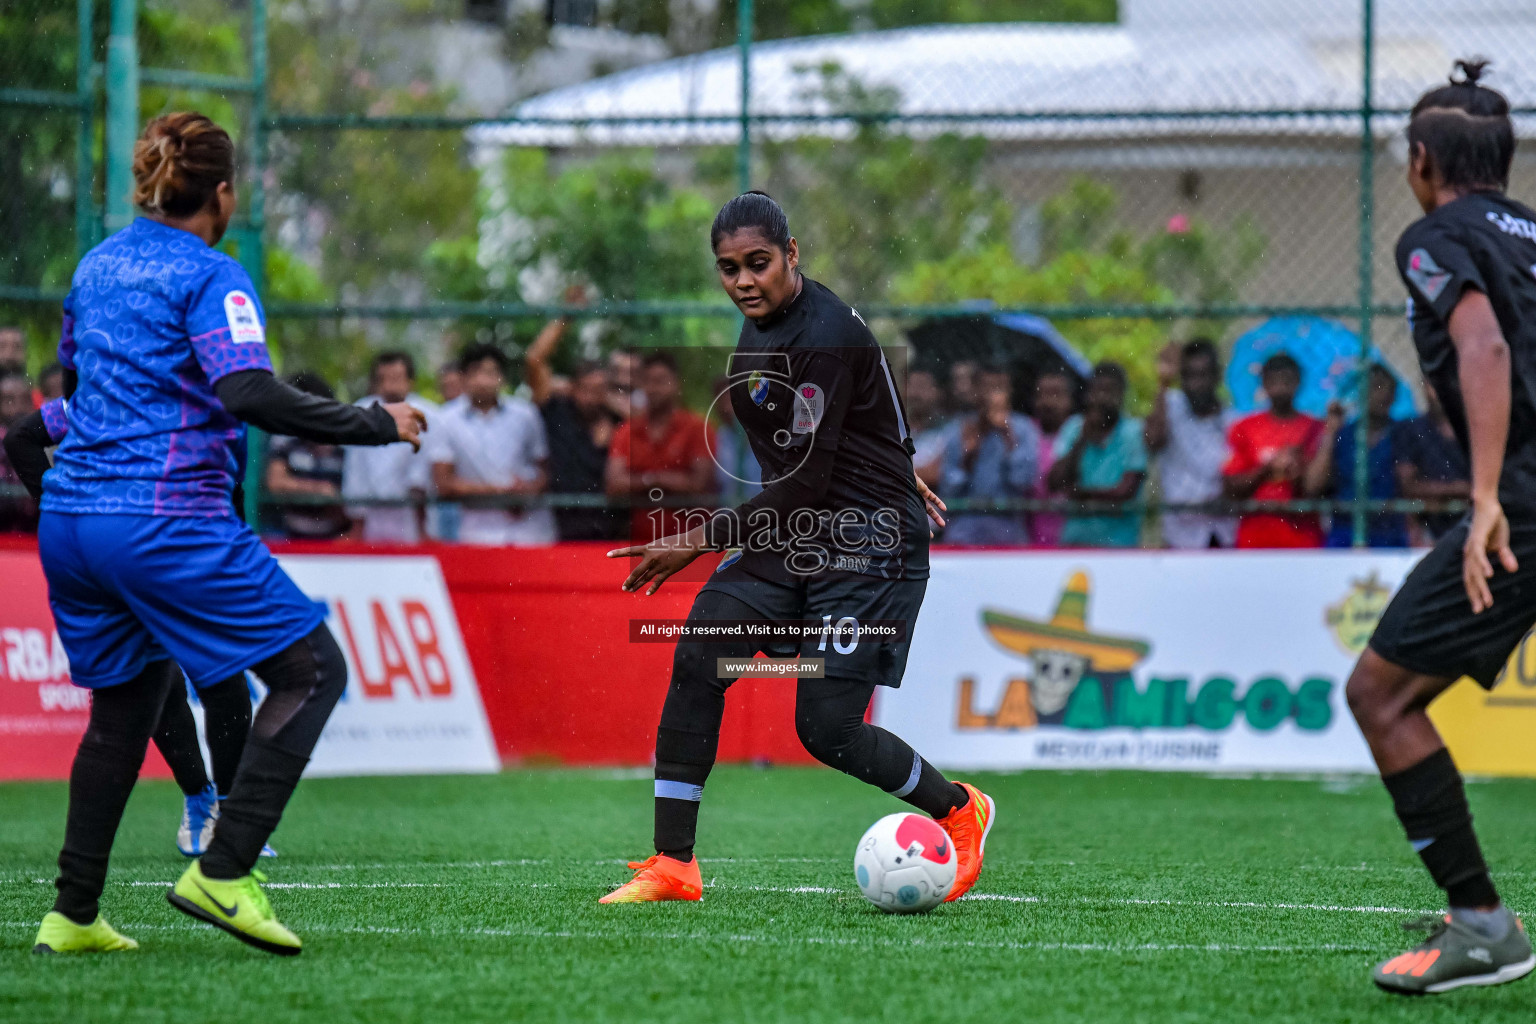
x=1157, y=171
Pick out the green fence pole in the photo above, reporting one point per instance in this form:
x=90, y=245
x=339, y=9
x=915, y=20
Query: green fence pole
x=85, y=122
x=253, y=253
x=256, y=263
x=744, y=146
x=122, y=112
x=1367, y=212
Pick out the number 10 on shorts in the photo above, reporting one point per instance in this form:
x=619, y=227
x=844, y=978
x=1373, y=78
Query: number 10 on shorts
x=846, y=626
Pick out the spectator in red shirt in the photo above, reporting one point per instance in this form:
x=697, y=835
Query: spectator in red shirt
x=1270, y=451
x=660, y=452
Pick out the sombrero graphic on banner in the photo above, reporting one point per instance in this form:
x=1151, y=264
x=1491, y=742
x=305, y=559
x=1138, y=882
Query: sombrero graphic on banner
x=1063, y=649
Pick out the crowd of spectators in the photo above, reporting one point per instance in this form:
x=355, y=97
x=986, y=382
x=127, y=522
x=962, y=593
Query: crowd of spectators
x=619, y=446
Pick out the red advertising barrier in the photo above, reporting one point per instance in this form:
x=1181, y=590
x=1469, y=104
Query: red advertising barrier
x=42, y=714
x=548, y=636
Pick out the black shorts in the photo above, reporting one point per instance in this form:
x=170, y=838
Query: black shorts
x=833, y=598
x=1429, y=626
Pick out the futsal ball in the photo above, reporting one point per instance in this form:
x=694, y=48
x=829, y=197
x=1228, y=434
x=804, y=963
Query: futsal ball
x=905, y=864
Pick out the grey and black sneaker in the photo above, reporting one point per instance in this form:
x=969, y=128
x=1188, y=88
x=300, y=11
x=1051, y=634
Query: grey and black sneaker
x=1455, y=955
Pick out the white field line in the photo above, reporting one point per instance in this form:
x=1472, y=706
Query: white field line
x=774, y=940
x=796, y=890
x=486, y=865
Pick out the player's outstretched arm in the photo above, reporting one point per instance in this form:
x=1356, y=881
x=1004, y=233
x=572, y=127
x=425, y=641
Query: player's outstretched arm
x=661, y=559
x=1482, y=357
x=260, y=399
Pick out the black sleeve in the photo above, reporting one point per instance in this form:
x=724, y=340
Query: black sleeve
x=26, y=445
x=1436, y=265
x=71, y=380
x=823, y=388
x=260, y=399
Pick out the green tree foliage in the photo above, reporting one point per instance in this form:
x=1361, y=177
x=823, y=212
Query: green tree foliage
x=613, y=224
x=1088, y=261
x=38, y=48
x=361, y=212
x=868, y=208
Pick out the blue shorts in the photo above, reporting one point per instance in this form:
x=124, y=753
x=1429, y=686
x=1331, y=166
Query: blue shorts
x=128, y=590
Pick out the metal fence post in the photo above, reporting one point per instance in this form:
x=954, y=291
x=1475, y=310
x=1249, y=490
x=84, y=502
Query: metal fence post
x=1367, y=211
x=85, y=124
x=253, y=251
x=122, y=112
x=256, y=263
x=744, y=145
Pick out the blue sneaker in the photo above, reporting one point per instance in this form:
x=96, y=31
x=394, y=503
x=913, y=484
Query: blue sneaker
x=266, y=848
x=197, y=818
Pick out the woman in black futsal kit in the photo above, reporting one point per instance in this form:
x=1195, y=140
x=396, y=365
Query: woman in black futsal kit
x=837, y=536
x=1468, y=267
x=226, y=705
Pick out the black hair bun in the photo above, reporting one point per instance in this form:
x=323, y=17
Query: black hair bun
x=1471, y=71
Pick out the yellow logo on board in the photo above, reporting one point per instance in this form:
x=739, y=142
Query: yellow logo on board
x=1354, y=619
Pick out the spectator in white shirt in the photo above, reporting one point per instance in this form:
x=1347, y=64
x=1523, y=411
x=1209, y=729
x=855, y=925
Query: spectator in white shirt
x=1188, y=427
x=490, y=446
x=390, y=472
x=450, y=381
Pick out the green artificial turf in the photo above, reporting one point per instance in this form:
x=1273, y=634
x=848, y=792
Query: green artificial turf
x=1129, y=897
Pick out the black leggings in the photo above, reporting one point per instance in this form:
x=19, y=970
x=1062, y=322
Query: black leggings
x=304, y=681
x=227, y=721
x=829, y=720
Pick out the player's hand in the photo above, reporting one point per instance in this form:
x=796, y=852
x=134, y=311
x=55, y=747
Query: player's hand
x=1488, y=533
x=932, y=502
x=410, y=422
x=658, y=560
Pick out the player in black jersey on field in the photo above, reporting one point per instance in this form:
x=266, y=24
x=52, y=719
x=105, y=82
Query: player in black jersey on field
x=838, y=536
x=1470, y=269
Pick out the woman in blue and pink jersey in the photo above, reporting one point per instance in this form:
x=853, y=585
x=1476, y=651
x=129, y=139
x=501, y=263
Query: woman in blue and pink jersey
x=226, y=705
x=164, y=351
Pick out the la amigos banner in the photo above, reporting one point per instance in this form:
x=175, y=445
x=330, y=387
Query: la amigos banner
x=412, y=704
x=1196, y=662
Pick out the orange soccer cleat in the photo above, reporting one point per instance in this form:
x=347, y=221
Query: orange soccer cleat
x=968, y=827
x=659, y=878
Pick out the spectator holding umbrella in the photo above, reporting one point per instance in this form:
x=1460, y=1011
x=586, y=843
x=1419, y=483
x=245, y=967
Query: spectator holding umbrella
x=990, y=456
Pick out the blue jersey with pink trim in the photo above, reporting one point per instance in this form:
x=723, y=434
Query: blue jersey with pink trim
x=154, y=319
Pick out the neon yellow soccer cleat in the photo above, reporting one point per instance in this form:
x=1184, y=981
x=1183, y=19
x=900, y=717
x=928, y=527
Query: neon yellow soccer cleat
x=59, y=934
x=236, y=905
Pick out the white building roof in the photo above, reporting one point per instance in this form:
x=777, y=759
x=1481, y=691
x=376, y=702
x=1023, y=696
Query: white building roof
x=1166, y=56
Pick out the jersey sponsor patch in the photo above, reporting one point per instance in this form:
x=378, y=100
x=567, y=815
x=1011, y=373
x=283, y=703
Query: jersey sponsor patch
x=244, y=324
x=810, y=403
x=1427, y=275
